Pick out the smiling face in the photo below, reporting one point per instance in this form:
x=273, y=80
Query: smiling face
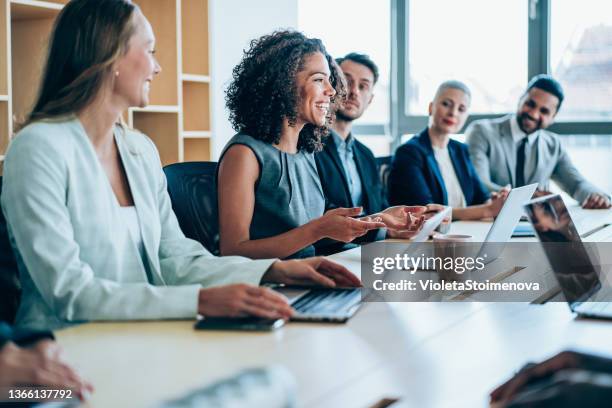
x=134, y=71
x=315, y=90
x=360, y=88
x=449, y=110
x=537, y=110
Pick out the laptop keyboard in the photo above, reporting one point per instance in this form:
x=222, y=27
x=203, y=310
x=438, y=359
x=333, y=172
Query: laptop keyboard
x=597, y=307
x=327, y=301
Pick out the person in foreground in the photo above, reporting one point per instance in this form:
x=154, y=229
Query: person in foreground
x=517, y=150
x=347, y=168
x=271, y=203
x=86, y=203
x=29, y=358
x=568, y=379
x=433, y=168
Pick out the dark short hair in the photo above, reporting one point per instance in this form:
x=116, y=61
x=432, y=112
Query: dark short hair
x=263, y=91
x=547, y=84
x=362, y=59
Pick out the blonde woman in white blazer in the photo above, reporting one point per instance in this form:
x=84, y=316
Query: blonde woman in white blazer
x=86, y=203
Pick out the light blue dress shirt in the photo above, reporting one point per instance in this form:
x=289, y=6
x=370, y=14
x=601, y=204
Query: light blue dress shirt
x=345, y=151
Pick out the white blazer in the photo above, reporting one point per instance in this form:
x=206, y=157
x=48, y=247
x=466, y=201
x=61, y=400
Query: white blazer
x=76, y=258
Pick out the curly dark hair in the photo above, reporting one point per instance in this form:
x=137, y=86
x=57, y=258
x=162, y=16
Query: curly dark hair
x=263, y=90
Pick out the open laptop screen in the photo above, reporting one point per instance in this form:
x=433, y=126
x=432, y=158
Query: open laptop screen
x=566, y=254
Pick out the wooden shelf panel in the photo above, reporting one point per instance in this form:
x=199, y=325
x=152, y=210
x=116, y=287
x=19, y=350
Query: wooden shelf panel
x=29, y=40
x=196, y=106
x=195, y=78
x=4, y=126
x=157, y=108
x=196, y=149
x=34, y=10
x=162, y=14
x=194, y=134
x=4, y=55
x=194, y=18
x=163, y=129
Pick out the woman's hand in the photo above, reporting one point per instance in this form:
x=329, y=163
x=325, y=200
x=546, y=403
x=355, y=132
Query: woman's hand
x=39, y=365
x=494, y=206
x=338, y=224
x=401, y=217
x=311, y=271
x=243, y=300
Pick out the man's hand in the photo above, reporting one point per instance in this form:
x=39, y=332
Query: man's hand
x=541, y=193
x=39, y=365
x=596, y=201
x=564, y=360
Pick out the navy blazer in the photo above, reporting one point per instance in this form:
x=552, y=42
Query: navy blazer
x=415, y=177
x=336, y=189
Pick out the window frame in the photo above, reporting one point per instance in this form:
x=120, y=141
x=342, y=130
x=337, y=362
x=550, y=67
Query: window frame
x=538, y=60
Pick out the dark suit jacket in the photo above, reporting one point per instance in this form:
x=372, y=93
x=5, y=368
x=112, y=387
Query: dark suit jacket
x=336, y=190
x=21, y=337
x=415, y=177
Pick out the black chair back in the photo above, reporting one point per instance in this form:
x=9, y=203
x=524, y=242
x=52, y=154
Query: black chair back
x=384, y=168
x=10, y=287
x=193, y=193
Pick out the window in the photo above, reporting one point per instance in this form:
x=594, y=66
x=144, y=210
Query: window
x=482, y=43
x=581, y=58
x=355, y=26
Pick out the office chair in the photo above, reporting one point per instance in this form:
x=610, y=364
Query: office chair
x=193, y=193
x=10, y=287
x=384, y=168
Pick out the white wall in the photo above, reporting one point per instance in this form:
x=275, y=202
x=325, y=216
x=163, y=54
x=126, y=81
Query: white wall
x=233, y=24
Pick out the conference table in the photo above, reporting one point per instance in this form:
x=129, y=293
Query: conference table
x=425, y=354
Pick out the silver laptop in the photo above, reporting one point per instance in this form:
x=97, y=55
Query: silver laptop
x=578, y=277
x=502, y=228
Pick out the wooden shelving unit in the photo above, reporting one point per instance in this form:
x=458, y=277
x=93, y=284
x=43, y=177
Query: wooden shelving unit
x=178, y=118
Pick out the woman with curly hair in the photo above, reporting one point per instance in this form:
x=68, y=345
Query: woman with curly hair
x=93, y=229
x=271, y=202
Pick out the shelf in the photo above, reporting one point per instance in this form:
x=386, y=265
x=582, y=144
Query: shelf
x=33, y=10
x=157, y=108
x=196, y=106
x=194, y=30
x=4, y=127
x=196, y=149
x=3, y=98
x=162, y=14
x=205, y=79
x=163, y=129
x=197, y=134
x=4, y=55
x=29, y=40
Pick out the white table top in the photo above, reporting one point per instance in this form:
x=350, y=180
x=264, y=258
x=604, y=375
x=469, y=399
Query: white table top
x=428, y=354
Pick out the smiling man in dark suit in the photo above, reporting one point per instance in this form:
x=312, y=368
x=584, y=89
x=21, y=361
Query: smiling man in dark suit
x=347, y=168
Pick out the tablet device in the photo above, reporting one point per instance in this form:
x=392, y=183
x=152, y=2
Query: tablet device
x=431, y=224
x=238, y=323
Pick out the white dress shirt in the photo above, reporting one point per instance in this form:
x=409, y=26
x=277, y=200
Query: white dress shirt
x=454, y=193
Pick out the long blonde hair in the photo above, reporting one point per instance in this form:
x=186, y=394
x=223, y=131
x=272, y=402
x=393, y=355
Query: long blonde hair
x=87, y=38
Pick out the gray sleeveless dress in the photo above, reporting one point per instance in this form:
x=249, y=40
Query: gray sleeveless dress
x=288, y=193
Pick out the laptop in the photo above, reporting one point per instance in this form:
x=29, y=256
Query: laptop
x=506, y=221
x=578, y=277
x=337, y=305
x=502, y=228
